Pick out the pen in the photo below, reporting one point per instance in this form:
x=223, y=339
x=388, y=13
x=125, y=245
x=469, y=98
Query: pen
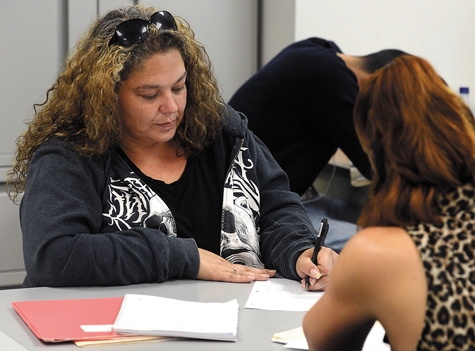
x=322, y=234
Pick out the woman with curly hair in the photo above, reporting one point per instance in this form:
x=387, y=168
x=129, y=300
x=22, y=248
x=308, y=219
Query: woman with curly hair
x=134, y=170
x=411, y=267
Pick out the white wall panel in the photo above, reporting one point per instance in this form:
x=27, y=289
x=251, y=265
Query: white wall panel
x=442, y=31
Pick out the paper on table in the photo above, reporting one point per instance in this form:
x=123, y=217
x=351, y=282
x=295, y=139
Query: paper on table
x=282, y=295
x=289, y=335
x=295, y=339
x=153, y=315
x=298, y=344
x=374, y=341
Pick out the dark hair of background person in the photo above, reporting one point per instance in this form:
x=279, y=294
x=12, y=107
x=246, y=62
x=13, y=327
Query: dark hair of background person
x=372, y=62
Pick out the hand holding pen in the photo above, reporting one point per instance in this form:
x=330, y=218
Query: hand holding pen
x=320, y=240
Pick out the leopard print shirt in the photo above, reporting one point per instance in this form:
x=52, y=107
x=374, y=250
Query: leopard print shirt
x=447, y=253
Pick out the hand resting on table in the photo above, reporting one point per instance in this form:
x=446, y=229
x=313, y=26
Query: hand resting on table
x=214, y=267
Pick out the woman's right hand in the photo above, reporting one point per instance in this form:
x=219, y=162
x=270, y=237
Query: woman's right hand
x=214, y=267
x=319, y=274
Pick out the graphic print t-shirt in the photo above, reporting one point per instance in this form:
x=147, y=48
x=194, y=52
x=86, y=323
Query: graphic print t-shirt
x=195, y=201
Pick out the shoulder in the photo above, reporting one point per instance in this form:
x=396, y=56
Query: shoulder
x=316, y=60
x=58, y=156
x=234, y=123
x=310, y=56
x=380, y=270
x=378, y=276
x=54, y=151
x=312, y=43
x=377, y=242
x=380, y=251
x=376, y=269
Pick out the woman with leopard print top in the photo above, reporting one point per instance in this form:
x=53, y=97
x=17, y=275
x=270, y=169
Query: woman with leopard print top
x=411, y=266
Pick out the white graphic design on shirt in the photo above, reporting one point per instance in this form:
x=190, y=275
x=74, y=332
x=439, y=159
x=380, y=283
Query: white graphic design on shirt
x=132, y=201
x=240, y=231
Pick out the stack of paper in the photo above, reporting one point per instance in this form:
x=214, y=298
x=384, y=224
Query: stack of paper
x=153, y=315
x=133, y=318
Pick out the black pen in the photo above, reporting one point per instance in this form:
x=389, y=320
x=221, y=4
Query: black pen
x=322, y=234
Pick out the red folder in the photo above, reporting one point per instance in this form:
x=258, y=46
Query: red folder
x=70, y=320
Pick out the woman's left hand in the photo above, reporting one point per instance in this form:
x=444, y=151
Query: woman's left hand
x=214, y=267
x=319, y=274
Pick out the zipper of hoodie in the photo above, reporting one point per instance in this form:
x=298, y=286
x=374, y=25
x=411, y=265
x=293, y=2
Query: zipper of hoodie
x=232, y=160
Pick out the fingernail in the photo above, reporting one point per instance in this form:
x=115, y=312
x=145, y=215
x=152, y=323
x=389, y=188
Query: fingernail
x=315, y=274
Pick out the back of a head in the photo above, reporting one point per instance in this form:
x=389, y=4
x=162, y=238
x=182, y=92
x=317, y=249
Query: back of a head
x=417, y=131
x=372, y=62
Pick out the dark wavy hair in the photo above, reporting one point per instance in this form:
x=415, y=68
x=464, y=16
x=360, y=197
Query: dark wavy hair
x=372, y=62
x=420, y=138
x=82, y=105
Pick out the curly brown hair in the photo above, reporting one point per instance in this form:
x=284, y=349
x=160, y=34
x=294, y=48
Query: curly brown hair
x=82, y=105
x=420, y=137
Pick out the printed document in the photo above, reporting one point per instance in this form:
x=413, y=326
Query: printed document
x=282, y=295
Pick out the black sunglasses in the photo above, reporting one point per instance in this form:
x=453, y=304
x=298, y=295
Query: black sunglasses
x=135, y=31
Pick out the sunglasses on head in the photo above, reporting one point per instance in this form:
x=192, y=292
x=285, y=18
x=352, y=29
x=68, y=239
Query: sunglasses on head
x=135, y=31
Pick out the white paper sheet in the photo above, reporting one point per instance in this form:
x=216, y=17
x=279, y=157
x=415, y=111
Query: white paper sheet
x=154, y=315
x=374, y=341
x=287, y=295
x=281, y=295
